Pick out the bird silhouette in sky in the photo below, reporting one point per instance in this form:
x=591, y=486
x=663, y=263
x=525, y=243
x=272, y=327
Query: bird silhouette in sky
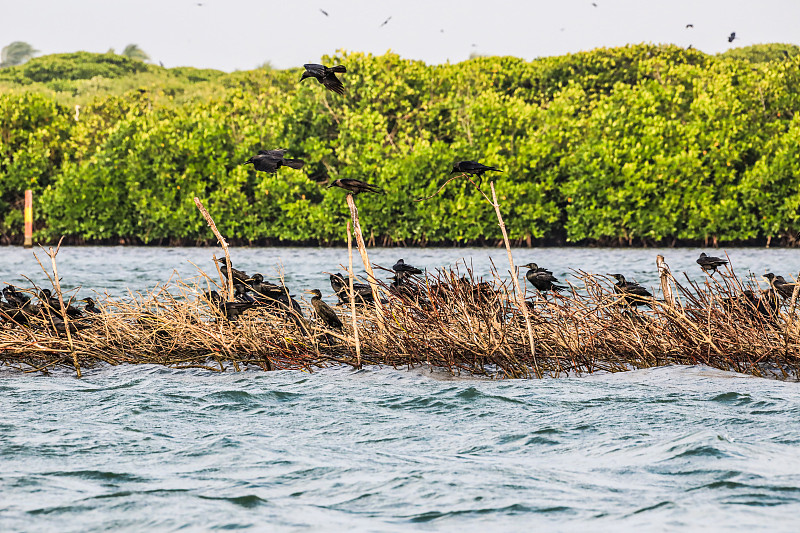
x=690, y=25
x=385, y=22
x=324, y=12
x=325, y=75
x=731, y=37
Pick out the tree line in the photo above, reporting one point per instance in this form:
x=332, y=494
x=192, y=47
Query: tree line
x=643, y=144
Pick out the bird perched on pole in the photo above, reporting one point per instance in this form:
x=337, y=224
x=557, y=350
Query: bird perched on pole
x=355, y=186
x=402, y=267
x=542, y=279
x=472, y=168
x=325, y=75
x=634, y=293
x=324, y=311
x=710, y=264
x=271, y=160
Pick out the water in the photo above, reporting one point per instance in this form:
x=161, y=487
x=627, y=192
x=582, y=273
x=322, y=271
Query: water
x=153, y=449
x=143, y=448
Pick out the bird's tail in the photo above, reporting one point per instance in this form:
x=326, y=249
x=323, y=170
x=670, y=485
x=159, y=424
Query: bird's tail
x=294, y=163
x=558, y=288
x=339, y=68
x=493, y=168
x=375, y=189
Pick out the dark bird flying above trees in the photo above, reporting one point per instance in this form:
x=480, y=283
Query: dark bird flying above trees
x=385, y=22
x=710, y=264
x=325, y=75
x=690, y=26
x=355, y=186
x=731, y=37
x=271, y=160
x=324, y=12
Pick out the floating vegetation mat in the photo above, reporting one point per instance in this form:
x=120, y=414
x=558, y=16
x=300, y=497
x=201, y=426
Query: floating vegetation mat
x=445, y=320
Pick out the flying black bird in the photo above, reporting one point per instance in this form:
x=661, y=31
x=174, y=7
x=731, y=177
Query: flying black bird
x=271, y=160
x=710, y=264
x=731, y=37
x=325, y=75
x=690, y=25
x=473, y=168
x=542, y=279
x=385, y=22
x=324, y=311
x=355, y=186
x=634, y=293
x=324, y=12
x=401, y=266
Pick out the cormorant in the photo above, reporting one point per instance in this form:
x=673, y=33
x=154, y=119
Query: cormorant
x=271, y=160
x=230, y=310
x=325, y=75
x=355, y=186
x=401, y=266
x=710, y=264
x=90, y=306
x=542, y=278
x=472, y=168
x=264, y=288
x=341, y=286
x=634, y=293
x=16, y=298
x=780, y=285
x=324, y=311
x=238, y=275
x=50, y=301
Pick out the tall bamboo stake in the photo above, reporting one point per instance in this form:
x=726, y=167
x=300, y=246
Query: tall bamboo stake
x=222, y=243
x=364, y=257
x=520, y=295
x=57, y=287
x=352, y=293
x=664, y=274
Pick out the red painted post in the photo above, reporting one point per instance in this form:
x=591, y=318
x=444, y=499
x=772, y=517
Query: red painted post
x=28, y=219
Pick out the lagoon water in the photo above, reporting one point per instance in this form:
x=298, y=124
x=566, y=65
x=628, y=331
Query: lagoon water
x=145, y=448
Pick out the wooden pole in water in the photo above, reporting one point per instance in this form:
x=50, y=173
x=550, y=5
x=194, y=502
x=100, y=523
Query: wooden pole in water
x=222, y=243
x=352, y=293
x=364, y=257
x=665, y=274
x=28, y=215
x=520, y=295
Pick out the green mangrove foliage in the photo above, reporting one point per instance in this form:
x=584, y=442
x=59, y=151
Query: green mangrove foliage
x=640, y=144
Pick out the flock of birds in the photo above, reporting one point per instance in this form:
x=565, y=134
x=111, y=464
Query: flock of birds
x=253, y=291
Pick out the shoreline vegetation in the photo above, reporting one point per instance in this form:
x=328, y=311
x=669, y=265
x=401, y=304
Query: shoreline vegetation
x=640, y=145
x=448, y=321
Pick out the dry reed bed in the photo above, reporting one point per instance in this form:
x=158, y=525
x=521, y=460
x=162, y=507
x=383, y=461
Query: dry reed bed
x=441, y=321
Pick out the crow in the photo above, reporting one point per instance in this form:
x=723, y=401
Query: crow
x=271, y=160
x=473, y=168
x=710, y=264
x=325, y=75
x=355, y=186
x=731, y=37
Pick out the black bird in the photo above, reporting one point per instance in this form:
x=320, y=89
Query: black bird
x=731, y=37
x=230, y=310
x=385, y=22
x=325, y=75
x=264, y=288
x=324, y=311
x=341, y=286
x=710, y=264
x=51, y=302
x=780, y=285
x=355, y=186
x=690, y=25
x=403, y=288
x=238, y=275
x=271, y=160
x=324, y=12
x=473, y=168
x=634, y=293
x=16, y=298
x=401, y=266
x=542, y=279
x=90, y=306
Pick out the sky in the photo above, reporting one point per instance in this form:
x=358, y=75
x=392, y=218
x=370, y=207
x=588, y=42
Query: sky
x=243, y=34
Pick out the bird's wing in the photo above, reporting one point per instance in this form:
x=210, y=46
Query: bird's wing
x=315, y=69
x=332, y=83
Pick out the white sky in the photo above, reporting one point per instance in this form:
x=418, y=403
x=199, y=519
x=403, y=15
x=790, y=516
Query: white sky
x=242, y=34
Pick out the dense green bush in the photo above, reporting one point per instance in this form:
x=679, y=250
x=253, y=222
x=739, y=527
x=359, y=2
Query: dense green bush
x=636, y=144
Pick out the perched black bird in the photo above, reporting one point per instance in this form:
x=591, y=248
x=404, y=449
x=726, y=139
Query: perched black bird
x=16, y=298
x=780, y=285
x=341, y=286
x=324, y=311
x=325, y=75
x=355, y=186
x=52, y=303
x=238, y=275
x=543, y=280
x=401, y=266
x=634, y=293
x=271, y=160
x=264, y=288
x=230, y=310
x=731, y=37
x=402, y=287
x=710, y=264
x=473, y=168
x=90, y=306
